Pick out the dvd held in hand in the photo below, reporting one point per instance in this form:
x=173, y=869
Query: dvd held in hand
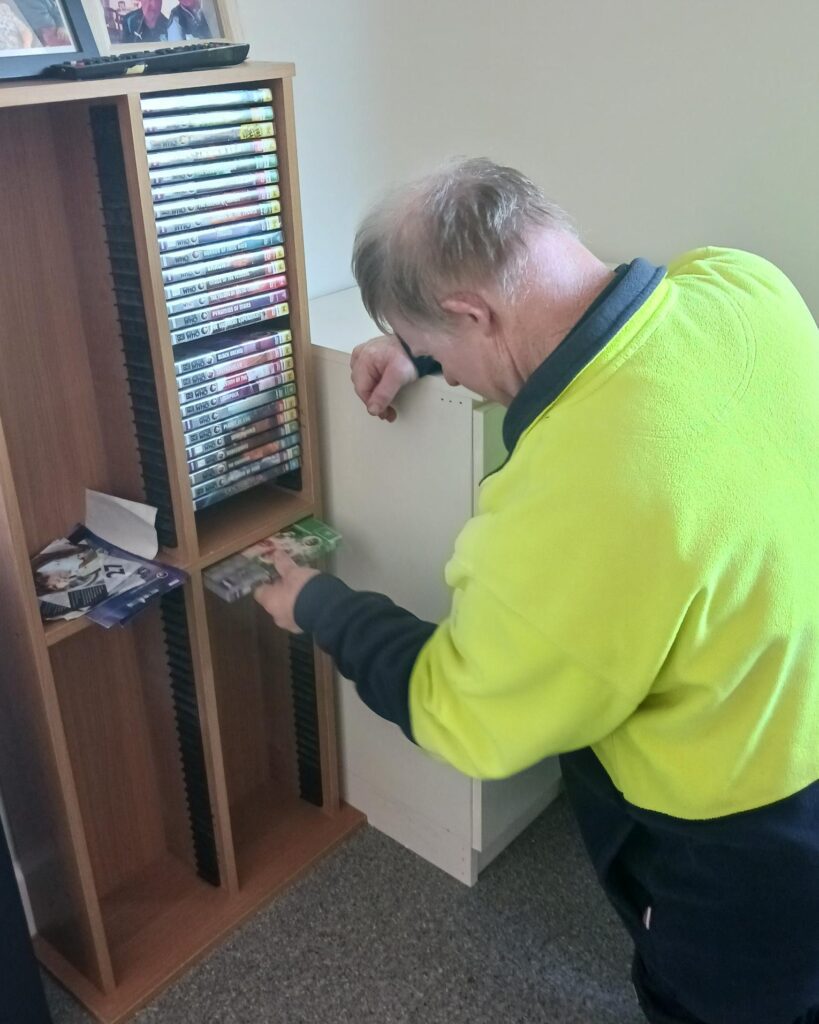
x=306, y=542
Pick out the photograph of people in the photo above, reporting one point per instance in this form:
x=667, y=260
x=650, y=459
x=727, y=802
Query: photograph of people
x=15, y=34
x=147, y=24
x=47, y=21
x=188, y=21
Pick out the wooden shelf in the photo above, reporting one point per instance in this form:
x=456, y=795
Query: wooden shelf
x=246, y=518
x=61, y=629
x=28, y=94
x=161, y=781
x=165, y=920
x=277, y=838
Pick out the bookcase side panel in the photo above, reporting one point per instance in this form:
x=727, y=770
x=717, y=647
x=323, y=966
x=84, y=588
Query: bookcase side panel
x=297, y=284
x=35, y=773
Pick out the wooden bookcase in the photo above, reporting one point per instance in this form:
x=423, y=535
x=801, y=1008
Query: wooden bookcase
x=158, y=780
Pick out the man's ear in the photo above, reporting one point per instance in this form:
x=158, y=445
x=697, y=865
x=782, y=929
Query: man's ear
x=470, y=306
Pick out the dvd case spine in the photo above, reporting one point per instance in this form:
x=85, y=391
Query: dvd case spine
x=204, y=153
x=192, y=120
x=230, y=468
x=166, y=182
x=261, y=203
x=193, y=426
x=197, y=140
x=186, y=266
x=244, y=485
x=250, y=252
x=253, y=409
x=233, y=239
x=235, y=349
x=253, y=440
x=204, y=100
x=190, y=191
x=243, y=221
x=228, y=309
x=227, y=286
x=254, y=192
x=243, y=472
x=274, y=360
x=235, y=381
x=233, y=366
x=267, y=421
x=256, y=387
x=230, y=323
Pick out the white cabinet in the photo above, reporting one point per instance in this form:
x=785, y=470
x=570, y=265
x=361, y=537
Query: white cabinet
x=399, y=494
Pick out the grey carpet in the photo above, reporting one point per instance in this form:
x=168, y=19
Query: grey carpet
x=374, y=933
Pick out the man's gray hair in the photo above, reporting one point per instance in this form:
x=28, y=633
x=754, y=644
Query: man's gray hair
x=462, y=226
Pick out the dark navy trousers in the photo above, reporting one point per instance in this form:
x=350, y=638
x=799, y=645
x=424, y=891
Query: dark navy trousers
x=724, y=913
x=22, y=1000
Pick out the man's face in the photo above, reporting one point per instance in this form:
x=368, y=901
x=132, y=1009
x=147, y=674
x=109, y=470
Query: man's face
x=465, y=355
x=151, y=9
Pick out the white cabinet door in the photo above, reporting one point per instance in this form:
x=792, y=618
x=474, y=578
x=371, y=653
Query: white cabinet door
x=502, y=808
x=399, y=494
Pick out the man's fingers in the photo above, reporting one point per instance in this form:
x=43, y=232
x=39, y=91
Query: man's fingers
x=392, y=380
x=283, y=563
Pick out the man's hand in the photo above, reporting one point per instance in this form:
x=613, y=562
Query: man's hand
x=380, y=368
x=279, y=598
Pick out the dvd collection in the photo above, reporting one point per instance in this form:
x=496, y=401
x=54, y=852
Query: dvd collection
x=214, y=171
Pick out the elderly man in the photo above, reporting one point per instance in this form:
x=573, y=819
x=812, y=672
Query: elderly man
x=639, y=590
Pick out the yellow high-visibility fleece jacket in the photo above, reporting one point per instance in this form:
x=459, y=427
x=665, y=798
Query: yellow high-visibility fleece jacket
x=642, y=574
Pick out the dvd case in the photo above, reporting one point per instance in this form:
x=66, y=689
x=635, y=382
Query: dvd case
x=235, y=349
x=204, y=153
x=204, y=100
x=192, y=120
x=248, y=252
x=190, y=191
x=256, y=438
x=223, y=470
x=229, y=309
x=243, y=472
x=256, y=316
x=195, y=293
x=194, y=426
x=264, y=236
x=197, y=177
x=220, y=226
x=255, y=387
x=266, y=421
x=257, y=191
x=235, y=380
x=256, y=407
x=232, y=366
x=206, y=137
x=307, y=542
x=245, y=485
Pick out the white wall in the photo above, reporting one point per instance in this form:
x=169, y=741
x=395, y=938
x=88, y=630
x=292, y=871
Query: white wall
x=659, y=125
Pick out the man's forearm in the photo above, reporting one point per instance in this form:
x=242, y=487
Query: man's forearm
x=373, y=642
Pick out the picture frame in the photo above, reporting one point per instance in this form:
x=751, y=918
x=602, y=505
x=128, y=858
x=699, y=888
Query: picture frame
x=125, y=26
x=34, y=34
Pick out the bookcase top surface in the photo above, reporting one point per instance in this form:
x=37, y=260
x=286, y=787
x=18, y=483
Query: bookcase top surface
x=33, y=92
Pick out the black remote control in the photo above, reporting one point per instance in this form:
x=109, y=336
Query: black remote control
x=196, y=57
